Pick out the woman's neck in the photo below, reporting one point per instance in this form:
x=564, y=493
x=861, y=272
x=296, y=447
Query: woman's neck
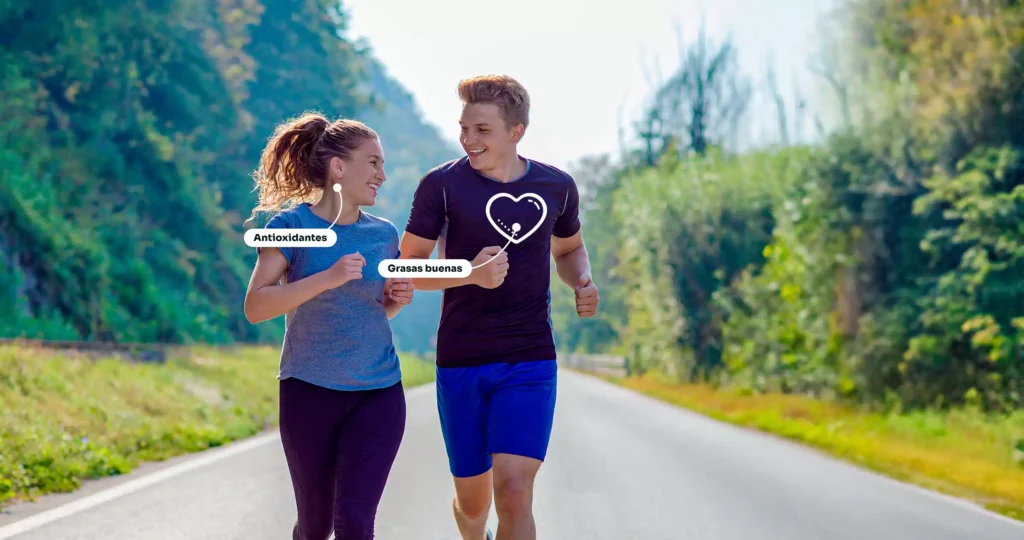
x=327, y=208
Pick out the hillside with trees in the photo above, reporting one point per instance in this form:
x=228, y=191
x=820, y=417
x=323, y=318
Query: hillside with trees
x=128, y=133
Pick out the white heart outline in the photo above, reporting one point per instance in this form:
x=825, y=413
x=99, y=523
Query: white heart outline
x=543, y=214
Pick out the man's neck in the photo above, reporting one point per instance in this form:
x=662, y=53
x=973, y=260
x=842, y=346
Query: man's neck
x=511, y=169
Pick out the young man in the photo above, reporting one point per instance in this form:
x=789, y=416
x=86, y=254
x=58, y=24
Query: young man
x=496, y=370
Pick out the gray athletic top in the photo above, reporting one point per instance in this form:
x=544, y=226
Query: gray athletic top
x=341, y=338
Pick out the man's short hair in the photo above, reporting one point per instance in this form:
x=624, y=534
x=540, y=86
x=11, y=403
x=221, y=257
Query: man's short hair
x=511, y=97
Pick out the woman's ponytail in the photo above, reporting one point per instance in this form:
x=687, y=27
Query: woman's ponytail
x=293, y=166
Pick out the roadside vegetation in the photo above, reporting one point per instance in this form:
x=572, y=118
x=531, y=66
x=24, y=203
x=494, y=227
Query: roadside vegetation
x=962, y=452
x=67, y=417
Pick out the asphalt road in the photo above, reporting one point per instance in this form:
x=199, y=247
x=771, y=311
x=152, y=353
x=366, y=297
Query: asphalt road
x=622, y=466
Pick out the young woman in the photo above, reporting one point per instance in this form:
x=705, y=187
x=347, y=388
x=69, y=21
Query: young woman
x=342, y=404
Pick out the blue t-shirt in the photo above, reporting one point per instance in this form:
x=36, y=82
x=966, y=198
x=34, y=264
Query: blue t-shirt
x=341, y=338
x=469, y=211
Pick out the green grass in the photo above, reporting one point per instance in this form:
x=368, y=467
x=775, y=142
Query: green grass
x=964, y=453
x=67, y=417
x=415, y=370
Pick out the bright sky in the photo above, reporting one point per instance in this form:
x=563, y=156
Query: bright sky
x=587, y=64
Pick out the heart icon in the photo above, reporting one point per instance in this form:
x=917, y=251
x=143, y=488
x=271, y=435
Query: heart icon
x=533, y=206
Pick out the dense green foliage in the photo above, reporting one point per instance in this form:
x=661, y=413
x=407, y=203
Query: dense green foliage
x=127, y=138
x=883, y=265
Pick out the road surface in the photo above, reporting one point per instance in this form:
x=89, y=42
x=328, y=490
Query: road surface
x=622, y=466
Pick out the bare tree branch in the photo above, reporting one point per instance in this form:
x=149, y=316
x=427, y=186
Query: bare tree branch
x=840, y=88
x=800, y=110
x=780, y=103
x=701, y=104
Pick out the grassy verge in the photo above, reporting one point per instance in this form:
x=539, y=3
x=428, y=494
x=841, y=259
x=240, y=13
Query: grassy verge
x=962, y=453
x=66, y=417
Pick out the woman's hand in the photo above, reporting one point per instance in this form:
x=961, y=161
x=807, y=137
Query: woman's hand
x=399, y=290
x=346, y=269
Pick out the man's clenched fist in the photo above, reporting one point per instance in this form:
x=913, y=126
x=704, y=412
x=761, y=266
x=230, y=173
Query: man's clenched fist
x=492, y=274
x=586, y=296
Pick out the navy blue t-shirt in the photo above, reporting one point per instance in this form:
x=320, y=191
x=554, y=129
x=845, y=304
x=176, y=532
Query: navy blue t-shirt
x=512, y=322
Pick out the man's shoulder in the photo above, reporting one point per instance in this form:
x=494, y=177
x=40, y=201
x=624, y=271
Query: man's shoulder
x=451, y=167
x=550, y=171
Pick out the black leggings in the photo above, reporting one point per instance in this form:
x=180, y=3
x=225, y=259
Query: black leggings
x=340, y=447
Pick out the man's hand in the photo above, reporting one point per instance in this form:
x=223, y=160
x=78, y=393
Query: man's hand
x=399, y=290
x=586, y=296
x=492, y=274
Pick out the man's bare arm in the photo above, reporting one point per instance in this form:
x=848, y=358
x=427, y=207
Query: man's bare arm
x=573, y=266
x=571, y=258
x=488, y=276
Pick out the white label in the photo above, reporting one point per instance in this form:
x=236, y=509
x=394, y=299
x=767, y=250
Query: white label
x=425, y=268
x=290, y=237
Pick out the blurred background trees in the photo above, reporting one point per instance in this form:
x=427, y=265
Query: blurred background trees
x=882, y=264
x=127, y=138
x=879, y=261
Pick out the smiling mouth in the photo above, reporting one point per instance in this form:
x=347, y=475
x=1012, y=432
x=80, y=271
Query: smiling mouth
x=475, y=152
x=374, y=187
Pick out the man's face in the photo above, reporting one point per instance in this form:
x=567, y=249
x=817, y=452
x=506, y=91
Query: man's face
x=485, y=137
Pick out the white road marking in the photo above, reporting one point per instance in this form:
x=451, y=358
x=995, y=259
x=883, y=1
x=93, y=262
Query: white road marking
x=131, y=486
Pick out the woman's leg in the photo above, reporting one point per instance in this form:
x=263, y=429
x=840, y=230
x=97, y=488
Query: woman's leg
x=367, y=446
x=309, y=419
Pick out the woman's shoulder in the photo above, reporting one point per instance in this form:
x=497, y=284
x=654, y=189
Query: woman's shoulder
x=289, y=218
x=379, y=222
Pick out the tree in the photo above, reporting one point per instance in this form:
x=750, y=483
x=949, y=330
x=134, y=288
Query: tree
x=700, y=105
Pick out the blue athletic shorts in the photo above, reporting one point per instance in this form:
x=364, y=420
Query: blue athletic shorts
x=497, y=408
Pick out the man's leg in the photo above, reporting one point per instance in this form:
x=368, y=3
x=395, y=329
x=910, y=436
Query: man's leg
x=513, y=496
x=519, y=422
x=472, y=505
x=462, y=406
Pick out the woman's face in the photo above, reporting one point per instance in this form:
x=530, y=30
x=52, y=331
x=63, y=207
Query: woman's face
x=362, y=174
